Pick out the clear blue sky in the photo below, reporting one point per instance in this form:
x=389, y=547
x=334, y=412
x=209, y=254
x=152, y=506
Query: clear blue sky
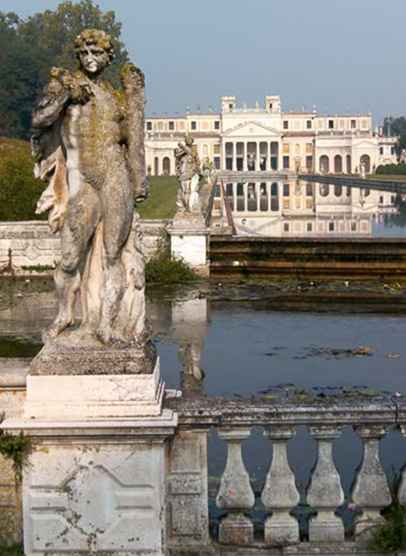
x=340, y=55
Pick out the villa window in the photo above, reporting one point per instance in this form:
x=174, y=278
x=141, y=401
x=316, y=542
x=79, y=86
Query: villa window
x=217, y=124
x=193, y=126
x=149, y=126
x=285, y=124
x=286, y=162
x=331, y=124
x=309, y=124
x=353, y=124
x=171, y=126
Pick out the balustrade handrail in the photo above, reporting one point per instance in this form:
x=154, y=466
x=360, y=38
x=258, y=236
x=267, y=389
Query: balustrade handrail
x=220, y=412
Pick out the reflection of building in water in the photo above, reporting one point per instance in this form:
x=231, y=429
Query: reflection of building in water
x=293, y=208
x=269, y=140
x=190, y=327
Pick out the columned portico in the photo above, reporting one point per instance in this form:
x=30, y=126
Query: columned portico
x=251, y=156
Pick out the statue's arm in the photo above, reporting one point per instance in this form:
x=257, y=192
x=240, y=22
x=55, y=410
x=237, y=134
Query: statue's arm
x=134, y=88
x=50, y=106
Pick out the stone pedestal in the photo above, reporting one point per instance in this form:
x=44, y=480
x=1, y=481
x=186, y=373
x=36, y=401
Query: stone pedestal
x=189, y=241
x=95, y=480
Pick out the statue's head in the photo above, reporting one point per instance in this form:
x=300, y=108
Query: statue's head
x=94, y=50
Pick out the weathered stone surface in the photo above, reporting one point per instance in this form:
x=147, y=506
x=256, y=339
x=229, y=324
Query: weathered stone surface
x=94, y=396
x=371, y=490
x=280, y=494
x=187, y=490
x=236, y=529
x=67, y=355
x=88, y=145
x=104, y=492
x=189, y=239
x=325, y=492
x=235, y=494
x=31, y=247
x=10, y=504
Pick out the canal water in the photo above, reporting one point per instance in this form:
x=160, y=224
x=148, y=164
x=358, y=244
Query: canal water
x=237, y=348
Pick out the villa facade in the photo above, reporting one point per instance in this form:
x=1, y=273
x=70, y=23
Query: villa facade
x=266, y=139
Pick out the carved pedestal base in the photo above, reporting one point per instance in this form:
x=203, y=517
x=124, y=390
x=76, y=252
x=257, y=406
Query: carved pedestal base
x=326, y=527
x=189, y=241
x=95, y=480
x=237, y=529
x=281, y=529
x=95, y=486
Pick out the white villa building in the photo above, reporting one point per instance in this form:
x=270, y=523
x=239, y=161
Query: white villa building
x=269, y=140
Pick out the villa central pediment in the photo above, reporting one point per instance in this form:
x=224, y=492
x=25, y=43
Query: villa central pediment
x=252, y=129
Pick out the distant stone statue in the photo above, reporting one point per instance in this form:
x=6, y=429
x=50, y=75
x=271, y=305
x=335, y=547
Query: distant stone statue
x=88, y=144
x=188, y=173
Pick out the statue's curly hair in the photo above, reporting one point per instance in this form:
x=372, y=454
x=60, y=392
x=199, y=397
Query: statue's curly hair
x=95, y=36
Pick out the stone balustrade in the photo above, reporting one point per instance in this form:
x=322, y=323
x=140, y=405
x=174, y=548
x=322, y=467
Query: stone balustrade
x=279, y=511
x=282, y=512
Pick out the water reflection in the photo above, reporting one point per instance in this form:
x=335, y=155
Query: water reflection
x=299, y=209
x=189, y=329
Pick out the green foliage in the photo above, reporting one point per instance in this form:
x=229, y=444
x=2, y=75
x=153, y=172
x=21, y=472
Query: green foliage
x=161, y=203
x=396, y=126
x=391, y=536
x=24, y=70
x=15, y=448
x=392, y=170
x=19, y=190
x=12, y=551
x=164, y=269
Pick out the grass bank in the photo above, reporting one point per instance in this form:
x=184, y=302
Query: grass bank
x=161, y=203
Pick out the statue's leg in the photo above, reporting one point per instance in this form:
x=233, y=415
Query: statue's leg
x=180, y=197
x=76, y=234
x=117, y=200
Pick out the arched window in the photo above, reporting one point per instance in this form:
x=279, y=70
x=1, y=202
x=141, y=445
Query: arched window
x=324, y=164
x=324, y=189
x=338, y=164
x=338, y=190
x=166, y=166
x=365, y=161
x=156, y=166
x=349, y=164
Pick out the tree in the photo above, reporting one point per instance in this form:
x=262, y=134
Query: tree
x=396, y=126
x=29, y=48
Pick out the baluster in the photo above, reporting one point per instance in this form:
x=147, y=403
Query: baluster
x=371, y=491
x=402, y=486
x=280, y=494
x=325, y=492
x=235, y=493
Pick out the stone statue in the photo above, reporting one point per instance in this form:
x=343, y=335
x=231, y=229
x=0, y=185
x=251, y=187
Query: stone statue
x=188, y=173
x=88, y=145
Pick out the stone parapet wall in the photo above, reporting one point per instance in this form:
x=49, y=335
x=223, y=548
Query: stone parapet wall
x=31, y=245
x=12, y=396
x=187, y=505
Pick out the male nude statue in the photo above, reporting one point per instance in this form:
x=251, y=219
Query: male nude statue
x=92, y=187
x=188, y=173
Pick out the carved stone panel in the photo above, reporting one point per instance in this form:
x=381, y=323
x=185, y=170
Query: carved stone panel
x=187, y=489
x=106, y=497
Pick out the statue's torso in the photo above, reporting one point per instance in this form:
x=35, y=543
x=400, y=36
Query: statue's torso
x=91, y=134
